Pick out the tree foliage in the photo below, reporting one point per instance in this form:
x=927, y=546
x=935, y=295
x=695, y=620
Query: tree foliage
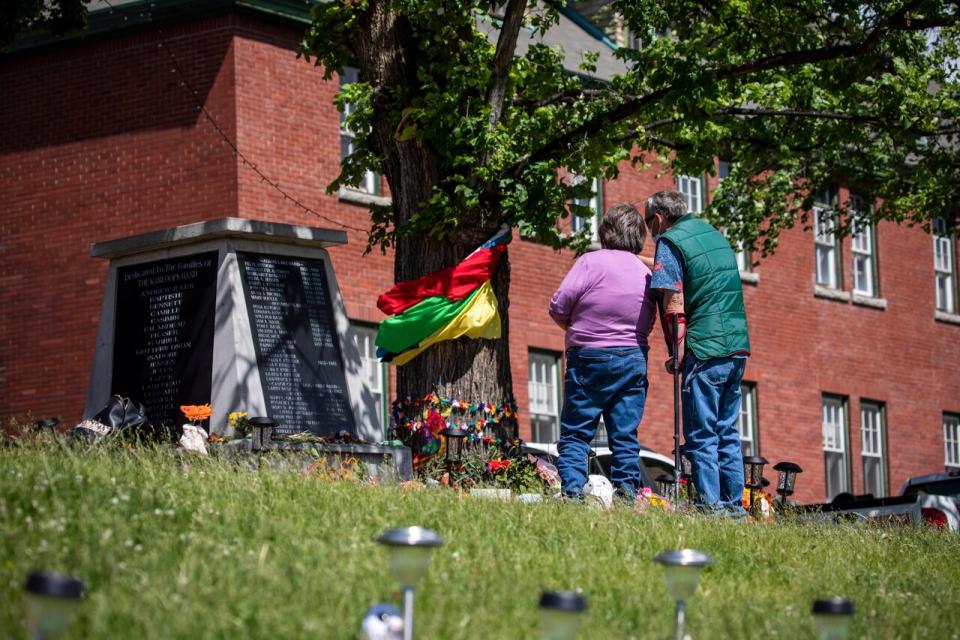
x=796, y=94
x=22, y=17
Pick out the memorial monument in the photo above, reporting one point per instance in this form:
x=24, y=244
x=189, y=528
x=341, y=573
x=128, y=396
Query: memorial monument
x=243, y=314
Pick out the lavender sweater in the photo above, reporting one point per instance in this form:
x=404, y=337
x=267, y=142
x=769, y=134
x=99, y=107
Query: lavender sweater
x=604, y=301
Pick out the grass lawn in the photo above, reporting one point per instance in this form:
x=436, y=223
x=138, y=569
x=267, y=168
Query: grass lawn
x=212, y=550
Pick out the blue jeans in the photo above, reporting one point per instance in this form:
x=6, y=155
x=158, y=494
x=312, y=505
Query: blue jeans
x=711, y=406
x=607, y=381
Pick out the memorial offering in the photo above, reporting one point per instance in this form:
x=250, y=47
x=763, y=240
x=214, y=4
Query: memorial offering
x=296, y=344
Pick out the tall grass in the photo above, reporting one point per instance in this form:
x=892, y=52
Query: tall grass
x=211, y=549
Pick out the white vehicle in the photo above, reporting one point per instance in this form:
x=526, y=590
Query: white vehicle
x=652, y=464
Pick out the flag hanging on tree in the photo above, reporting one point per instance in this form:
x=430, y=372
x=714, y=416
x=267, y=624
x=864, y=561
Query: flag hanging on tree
x=444, y=305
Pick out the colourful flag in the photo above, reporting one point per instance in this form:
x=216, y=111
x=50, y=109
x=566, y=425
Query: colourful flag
x=454, y=283
x=443, y=305
x=478, y=319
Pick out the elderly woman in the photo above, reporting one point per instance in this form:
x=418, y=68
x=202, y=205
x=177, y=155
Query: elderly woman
x=604, y=305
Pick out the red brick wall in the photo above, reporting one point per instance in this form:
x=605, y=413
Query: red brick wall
x=99, y=141
x=103, y=142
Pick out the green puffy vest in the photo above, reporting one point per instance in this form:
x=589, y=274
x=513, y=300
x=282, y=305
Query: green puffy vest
x=712, y=293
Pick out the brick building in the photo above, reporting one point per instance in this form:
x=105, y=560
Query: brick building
x=854, y=373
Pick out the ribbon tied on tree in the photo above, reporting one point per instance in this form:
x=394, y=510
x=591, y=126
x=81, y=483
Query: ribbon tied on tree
x=452, y=303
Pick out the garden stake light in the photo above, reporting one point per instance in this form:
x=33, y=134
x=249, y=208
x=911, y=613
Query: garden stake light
x=262, y=430
x=682, y=572
x=786, y=478
x=753, y=474
x=560, y=614
x=665, y=483
x=47, y=428
x=455, y=439
x=832, y=618
x=410, y=550
x=51, y=602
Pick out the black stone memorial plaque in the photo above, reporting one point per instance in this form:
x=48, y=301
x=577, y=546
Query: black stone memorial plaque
x=163, y=339
x=296, y=344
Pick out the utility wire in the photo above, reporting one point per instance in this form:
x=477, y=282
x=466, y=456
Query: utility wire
x=184, y=82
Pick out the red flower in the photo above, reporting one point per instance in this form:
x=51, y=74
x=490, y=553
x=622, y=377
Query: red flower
x=497, y=465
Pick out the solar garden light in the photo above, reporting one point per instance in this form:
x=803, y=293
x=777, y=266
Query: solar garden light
x=262, y=429
x=560, y=614
x=682, y=572
x=786, y=478
x=52, y=600
x=47, y=427
x=410, y=550
x=753, y=474
x=456, y=439
x=832, y=618
x=665, y=483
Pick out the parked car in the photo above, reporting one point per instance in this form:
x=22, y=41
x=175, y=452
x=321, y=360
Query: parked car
x=652, y=464
x=932, y=499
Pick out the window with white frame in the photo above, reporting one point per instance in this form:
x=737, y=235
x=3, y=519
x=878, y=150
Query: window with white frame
x=951, y=441
x=594, y=203
x=692, y=189
x=827, y=249
x=374, y=371
x=863, y=249
x=944, y=266
x=743, y=256
x=835, y=460
x=543, y=386
x=371, y=179
x=873, y=448
x=747, y=420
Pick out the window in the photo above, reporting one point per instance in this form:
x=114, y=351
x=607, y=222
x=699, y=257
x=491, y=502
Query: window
x=371, y=180
x=743, y=255
x=951, y=441
x=692, y=189
x=544, y=390
x=594, y=203
x=835, y=462
x=374, y=371
x=873, y=448
x=944, y=266
x=827, y=249
x=747, y=421
x=863, y=248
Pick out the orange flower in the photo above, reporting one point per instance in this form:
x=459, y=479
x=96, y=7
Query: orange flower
x=196, y=412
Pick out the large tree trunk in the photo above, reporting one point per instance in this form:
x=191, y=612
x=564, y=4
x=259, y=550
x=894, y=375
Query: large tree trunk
x=471, y=370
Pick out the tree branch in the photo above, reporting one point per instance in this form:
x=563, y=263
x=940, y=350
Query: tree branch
x=503, y=58
x=560, y=96
x=894, y=22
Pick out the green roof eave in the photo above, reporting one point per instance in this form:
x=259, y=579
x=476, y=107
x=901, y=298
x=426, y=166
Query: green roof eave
x=147, y=14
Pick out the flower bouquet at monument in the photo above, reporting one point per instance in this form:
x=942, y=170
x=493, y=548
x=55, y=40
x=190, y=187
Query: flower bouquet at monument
x=194, y=435
x=647, y=499
x=762, y=504
x=240, y=423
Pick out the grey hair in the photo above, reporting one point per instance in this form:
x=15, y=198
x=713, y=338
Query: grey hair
x=670, y=203
x=623, y=229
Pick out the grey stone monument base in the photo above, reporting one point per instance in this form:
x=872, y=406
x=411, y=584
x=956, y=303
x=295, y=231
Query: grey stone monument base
x=384, y=463
x=274, y=338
